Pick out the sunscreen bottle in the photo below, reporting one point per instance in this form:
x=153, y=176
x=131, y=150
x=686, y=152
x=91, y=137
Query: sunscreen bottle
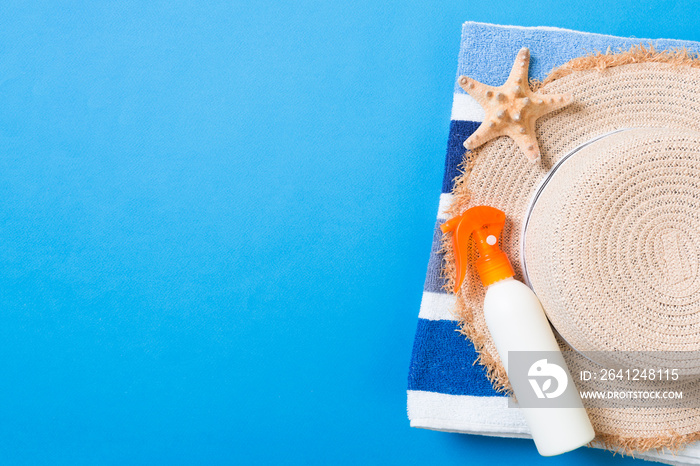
x=517, y=323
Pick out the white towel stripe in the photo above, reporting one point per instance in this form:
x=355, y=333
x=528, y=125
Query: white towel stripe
x=437, y=306
x=483, y=415
x=490, y=415
x=464, y=107
x=445, y=201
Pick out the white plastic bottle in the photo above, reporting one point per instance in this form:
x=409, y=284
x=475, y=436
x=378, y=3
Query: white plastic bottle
x=516, y=322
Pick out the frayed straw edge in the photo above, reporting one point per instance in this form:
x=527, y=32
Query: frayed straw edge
x=495, y=372
x=460, y=202
x=676, y=57
x=628, y=446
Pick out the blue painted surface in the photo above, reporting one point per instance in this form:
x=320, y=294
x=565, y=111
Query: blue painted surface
x=215, y=222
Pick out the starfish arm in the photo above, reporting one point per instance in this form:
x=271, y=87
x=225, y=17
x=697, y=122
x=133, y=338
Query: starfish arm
x=519, y=72
x=481, y=92
x=558, y=101
x=527, y=143
x=546, y=103
x=483, y=134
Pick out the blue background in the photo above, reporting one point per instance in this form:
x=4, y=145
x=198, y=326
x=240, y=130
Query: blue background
x=215, y=222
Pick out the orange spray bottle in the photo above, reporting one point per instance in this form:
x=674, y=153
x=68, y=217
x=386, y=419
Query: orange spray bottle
x=522, y=335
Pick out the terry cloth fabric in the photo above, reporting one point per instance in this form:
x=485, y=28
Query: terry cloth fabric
x=446, y=390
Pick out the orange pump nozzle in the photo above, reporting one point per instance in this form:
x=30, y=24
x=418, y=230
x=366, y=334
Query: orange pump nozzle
x=485, y=224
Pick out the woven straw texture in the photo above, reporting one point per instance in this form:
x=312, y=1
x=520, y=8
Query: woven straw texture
x=624, y=246
x=617, y=227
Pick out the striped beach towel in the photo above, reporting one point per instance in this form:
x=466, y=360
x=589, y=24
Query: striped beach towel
x=446, y=391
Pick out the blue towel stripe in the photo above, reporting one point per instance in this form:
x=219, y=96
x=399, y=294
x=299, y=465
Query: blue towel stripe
x=434, y=280
x=459, y=131
x=443, y=361
x=486, y=40
x=442, y=358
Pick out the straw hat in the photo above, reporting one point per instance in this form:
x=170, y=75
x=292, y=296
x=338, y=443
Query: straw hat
x=606, y=230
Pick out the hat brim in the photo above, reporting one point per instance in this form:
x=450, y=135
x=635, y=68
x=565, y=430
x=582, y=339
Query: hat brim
x=657, y=90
